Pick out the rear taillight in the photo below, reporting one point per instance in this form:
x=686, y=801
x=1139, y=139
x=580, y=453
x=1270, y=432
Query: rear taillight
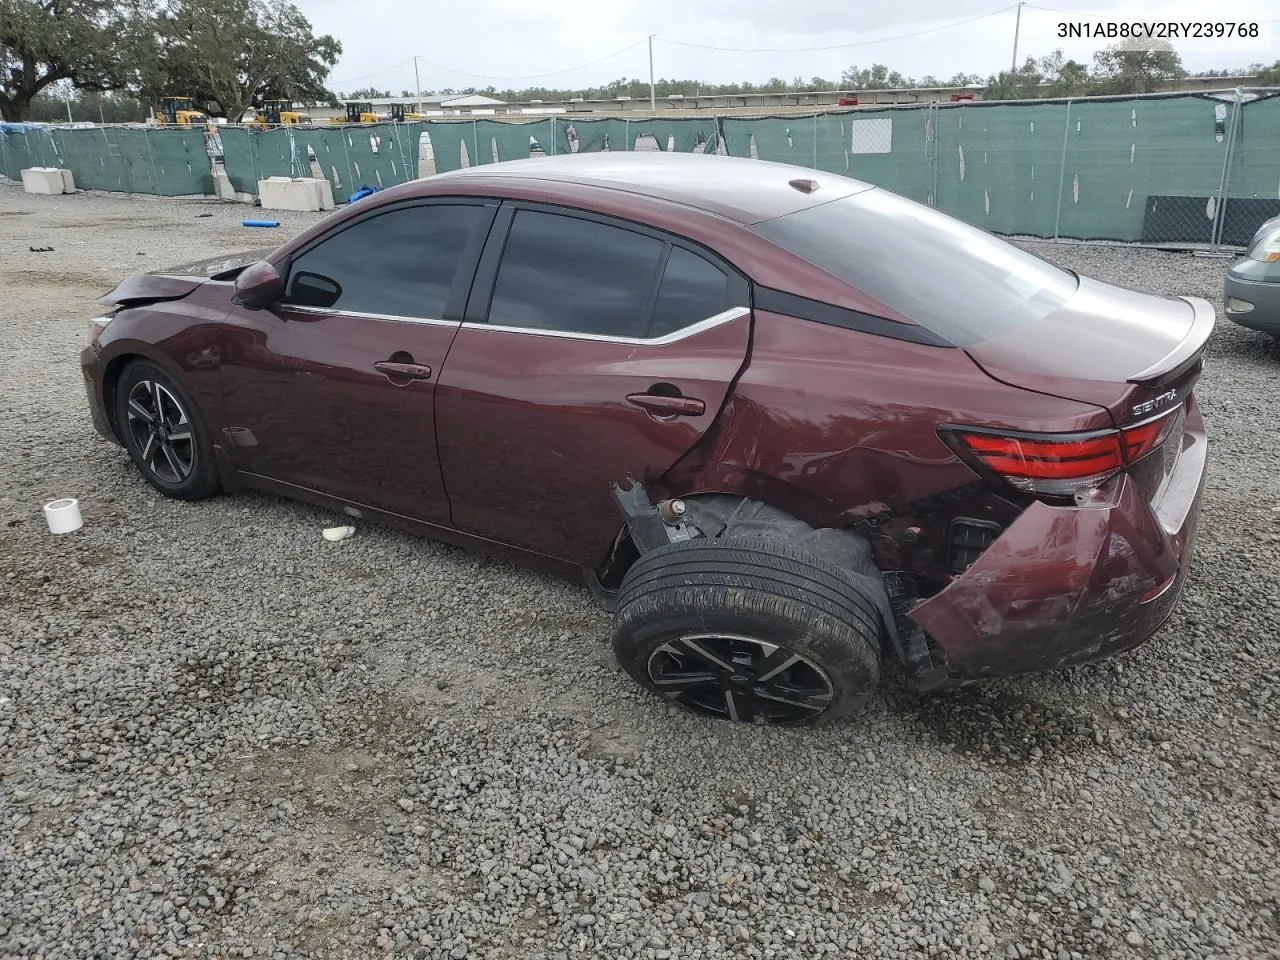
x=1058, y=465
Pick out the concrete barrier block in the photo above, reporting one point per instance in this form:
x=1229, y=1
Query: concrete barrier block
x=326, y=194
x=42, y=180
x=223, y=188
x=281, y=193
x=68, y=181
x=284, y=193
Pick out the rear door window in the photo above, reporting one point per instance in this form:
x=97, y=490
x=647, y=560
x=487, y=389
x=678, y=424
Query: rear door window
x=956, y=280
x=573, y=275
x=693, y=289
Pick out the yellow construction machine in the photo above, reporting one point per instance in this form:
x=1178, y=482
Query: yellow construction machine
x=358, y=112
x=277, y=113
x=180, y=111
x=400, y=115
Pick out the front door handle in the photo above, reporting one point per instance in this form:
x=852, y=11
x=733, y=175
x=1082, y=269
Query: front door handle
x=658, y=405
x=403, y=371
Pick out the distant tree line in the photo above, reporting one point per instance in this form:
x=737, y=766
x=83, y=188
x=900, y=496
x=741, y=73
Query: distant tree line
x=1113, y=71
x=111, y=60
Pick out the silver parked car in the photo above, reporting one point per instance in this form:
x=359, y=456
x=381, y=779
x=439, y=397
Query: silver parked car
x=1252, y=288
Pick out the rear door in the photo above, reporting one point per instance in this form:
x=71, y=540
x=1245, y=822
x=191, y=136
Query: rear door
x=334, y=388
x=592, y=350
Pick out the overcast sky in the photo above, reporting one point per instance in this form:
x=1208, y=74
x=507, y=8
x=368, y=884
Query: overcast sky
x=516, y=43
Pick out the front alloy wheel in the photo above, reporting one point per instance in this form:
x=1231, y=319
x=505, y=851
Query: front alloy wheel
x=161, y=431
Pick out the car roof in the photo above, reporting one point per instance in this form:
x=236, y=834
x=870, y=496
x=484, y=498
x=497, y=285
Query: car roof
x=746, y=191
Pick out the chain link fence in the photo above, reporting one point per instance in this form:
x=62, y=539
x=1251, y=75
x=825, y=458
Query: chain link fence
x=1180, y=170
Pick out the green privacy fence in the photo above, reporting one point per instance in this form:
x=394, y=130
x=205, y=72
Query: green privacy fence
x=1196, y=169
x=170, y=163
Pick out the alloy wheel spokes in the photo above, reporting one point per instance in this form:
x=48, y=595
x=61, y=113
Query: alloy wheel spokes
x=741, y=678
x=161, y=431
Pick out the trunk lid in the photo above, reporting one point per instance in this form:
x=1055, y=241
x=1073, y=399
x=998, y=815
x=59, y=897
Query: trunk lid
x=1135, y=354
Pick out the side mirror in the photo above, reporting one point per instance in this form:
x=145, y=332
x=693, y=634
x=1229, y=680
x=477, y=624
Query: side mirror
x=258, y=286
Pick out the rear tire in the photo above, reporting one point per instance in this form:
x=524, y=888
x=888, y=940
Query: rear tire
x=162, y=430
x=749, y=630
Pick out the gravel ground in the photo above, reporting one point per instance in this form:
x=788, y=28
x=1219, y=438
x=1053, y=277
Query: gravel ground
x=221, y=736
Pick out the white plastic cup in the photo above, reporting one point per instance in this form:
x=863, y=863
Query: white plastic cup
x=63, y=516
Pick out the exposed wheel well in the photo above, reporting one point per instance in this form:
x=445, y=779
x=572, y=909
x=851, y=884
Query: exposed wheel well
x=110, y=381
x=725, y=515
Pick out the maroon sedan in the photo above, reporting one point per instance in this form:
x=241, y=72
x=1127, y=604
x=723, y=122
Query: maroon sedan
x=790, y=425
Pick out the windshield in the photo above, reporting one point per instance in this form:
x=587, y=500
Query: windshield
x=960, y=282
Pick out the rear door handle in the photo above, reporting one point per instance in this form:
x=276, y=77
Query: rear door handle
x=662, y=406
x=412, y=371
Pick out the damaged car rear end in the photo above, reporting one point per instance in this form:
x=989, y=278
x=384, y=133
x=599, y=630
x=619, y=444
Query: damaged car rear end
x=1026, y=459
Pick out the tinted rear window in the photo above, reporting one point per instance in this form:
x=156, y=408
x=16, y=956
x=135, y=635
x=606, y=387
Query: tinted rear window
x=960, y=282
x=575, y=276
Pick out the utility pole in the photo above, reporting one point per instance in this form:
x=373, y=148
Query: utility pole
x=417, y=84
x=653, y=99
x=1017, y=27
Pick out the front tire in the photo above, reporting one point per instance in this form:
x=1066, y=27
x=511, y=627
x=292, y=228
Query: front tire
x=749, y=630
x=163, y=433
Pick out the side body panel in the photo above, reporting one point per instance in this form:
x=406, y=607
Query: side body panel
x=304, y=404
x=183, y=337
x=839, y=428
x=533, y=429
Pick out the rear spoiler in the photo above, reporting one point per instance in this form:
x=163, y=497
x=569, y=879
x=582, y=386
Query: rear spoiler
x=1187, y=353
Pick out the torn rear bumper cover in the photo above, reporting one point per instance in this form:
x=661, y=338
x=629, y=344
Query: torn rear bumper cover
x=1067, y=585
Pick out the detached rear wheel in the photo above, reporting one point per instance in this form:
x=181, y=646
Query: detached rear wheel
x=163, y=433
x=748, y=630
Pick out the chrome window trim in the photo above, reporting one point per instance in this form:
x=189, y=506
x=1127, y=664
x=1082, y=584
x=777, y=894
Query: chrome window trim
x=321, y=311
x=733, y=313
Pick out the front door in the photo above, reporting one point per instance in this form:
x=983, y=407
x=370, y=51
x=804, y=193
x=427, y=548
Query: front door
x=601, y=351
x=333, y=390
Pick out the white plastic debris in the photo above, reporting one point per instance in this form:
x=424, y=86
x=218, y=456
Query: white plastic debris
x=334, y=534
x=63, y=516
